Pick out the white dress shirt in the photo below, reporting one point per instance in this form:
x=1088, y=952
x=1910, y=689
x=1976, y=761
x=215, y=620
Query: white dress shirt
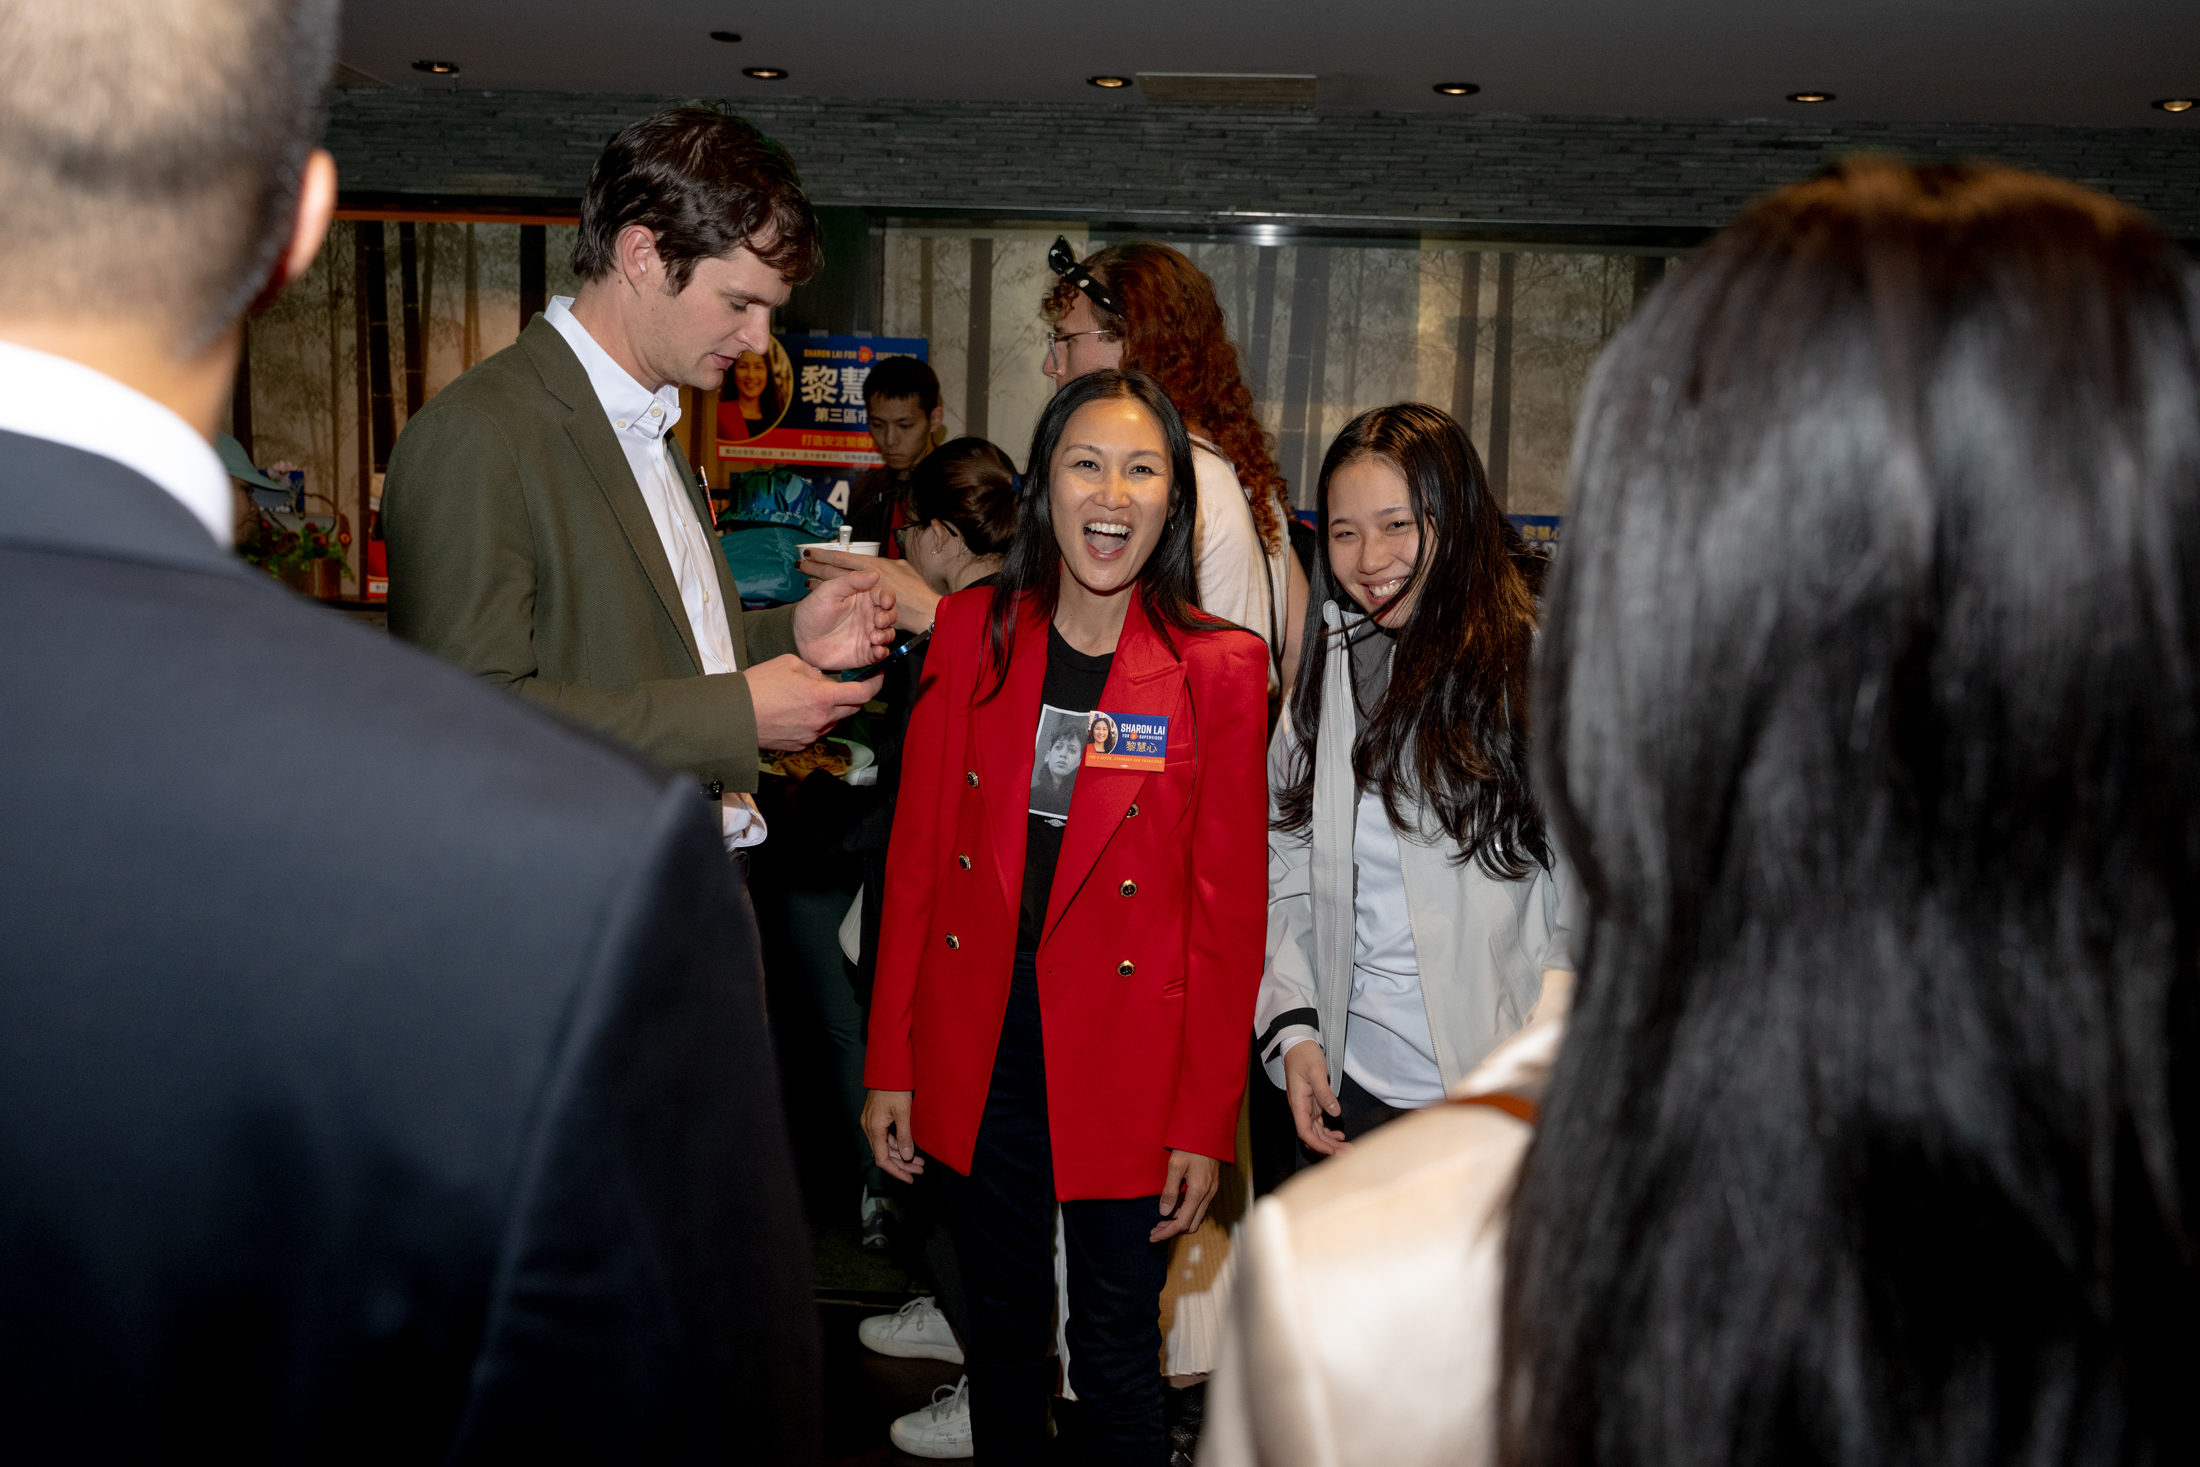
x=641, y=419
x=66, y=402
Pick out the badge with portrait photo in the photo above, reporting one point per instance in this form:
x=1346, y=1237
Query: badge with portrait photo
x=1126, y=741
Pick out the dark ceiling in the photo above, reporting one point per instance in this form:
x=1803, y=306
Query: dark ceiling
x=2098, y=63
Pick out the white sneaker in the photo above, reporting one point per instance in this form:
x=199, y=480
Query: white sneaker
x=940, y=1430
x=917, y=1332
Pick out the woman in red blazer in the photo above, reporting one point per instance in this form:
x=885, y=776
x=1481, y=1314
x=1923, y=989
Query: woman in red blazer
x=1072, y=938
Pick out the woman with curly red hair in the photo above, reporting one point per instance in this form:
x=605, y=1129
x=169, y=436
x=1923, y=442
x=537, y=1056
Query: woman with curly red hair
x=1142, y=306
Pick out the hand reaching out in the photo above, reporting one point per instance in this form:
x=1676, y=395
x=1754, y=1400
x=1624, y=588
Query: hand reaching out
x=915, y=602
x=845, y=622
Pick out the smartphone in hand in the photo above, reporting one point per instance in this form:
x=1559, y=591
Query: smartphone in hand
x=862, y=674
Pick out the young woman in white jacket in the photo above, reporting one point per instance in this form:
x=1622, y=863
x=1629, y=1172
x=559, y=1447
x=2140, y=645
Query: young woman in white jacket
x=1417, y=912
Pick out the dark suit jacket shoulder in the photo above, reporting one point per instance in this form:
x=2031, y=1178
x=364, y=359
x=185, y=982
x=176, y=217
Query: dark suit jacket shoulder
x=521, y=549
x=383, y=1073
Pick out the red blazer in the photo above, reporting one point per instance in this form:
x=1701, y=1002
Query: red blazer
x=1150, y=958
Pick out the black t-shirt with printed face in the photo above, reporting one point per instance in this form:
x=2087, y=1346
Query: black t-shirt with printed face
x=1072, y=690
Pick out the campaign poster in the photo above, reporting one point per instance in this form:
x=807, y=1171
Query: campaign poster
x=1541, y=531
x=804, y=403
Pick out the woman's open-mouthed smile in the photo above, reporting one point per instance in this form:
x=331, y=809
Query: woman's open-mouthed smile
x=1109, y=492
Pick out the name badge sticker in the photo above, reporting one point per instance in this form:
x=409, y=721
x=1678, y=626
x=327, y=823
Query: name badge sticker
x=1126, y=741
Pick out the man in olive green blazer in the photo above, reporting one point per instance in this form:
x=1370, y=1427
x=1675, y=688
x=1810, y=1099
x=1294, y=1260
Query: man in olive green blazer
x=522, y=546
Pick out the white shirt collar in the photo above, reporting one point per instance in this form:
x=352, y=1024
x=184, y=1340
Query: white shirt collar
x=63, y=401
x=631, y=407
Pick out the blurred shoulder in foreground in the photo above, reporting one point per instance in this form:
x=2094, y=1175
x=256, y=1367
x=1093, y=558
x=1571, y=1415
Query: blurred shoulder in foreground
x=383, y=1070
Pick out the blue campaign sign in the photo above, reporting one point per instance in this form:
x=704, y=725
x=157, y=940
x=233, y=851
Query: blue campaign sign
x=1541, y=531
x=805, y=405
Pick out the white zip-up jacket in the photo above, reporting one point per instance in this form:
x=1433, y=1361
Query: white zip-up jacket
x=1482, y=945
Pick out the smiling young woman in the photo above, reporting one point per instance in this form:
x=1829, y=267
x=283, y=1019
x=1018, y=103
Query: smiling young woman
x=1401, y=771
x=1061, y=1014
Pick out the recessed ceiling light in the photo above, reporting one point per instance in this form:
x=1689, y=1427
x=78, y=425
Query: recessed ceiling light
x=729, y=37
x=1810, y=96
x=1457, y=89
x=437, y=68
x=2178, y=104
x=1108, y=82
x=765, y=73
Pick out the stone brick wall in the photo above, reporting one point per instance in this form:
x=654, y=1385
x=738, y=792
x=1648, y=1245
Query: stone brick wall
x=1534, y=176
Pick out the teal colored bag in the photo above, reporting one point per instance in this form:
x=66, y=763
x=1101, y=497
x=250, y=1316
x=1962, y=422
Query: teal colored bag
x=768, y=516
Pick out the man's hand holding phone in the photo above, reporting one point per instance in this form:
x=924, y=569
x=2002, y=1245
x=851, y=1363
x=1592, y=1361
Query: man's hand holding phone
x=796, y=705
x=860, y=674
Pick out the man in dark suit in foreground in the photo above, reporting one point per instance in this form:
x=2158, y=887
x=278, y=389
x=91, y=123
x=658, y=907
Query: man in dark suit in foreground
x=383, y=1073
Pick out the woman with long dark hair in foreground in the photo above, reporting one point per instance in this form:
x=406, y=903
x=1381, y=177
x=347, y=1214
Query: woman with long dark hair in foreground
x=1071, y=940
x=1415, y=908
x=1870, y=711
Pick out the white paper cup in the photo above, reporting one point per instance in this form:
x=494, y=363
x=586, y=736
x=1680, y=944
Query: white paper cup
x=853, y=547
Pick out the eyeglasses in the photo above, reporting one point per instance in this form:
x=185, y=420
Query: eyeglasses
x=1058, y=343
x=903, y=532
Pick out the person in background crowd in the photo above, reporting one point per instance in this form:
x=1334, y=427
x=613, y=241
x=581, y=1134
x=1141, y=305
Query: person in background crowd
x=962, y=518
x=545, y=531
x=1063, y=1014
x=1144, y=307
x=383, y=1072
x=1416, y=910
x=901, y=403
x=1867, y=704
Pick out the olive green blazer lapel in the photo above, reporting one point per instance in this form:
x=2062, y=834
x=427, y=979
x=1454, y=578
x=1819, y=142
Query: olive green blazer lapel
x=598, y=446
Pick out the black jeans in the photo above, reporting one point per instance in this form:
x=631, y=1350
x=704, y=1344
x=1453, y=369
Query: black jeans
x=1002, y=1215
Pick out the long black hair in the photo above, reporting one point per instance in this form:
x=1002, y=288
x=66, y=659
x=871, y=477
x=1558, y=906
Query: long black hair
x=1450, y=733
x=1869, y=717
x=1168, y=582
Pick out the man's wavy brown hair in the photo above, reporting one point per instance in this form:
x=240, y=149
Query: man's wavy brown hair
x=705, y=183
x=1172, y=330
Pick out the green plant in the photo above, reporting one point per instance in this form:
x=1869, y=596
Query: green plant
x=282, y=552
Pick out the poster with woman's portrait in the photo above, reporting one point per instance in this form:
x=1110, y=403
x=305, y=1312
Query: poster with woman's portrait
x=803, y=402
x=755, y=395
